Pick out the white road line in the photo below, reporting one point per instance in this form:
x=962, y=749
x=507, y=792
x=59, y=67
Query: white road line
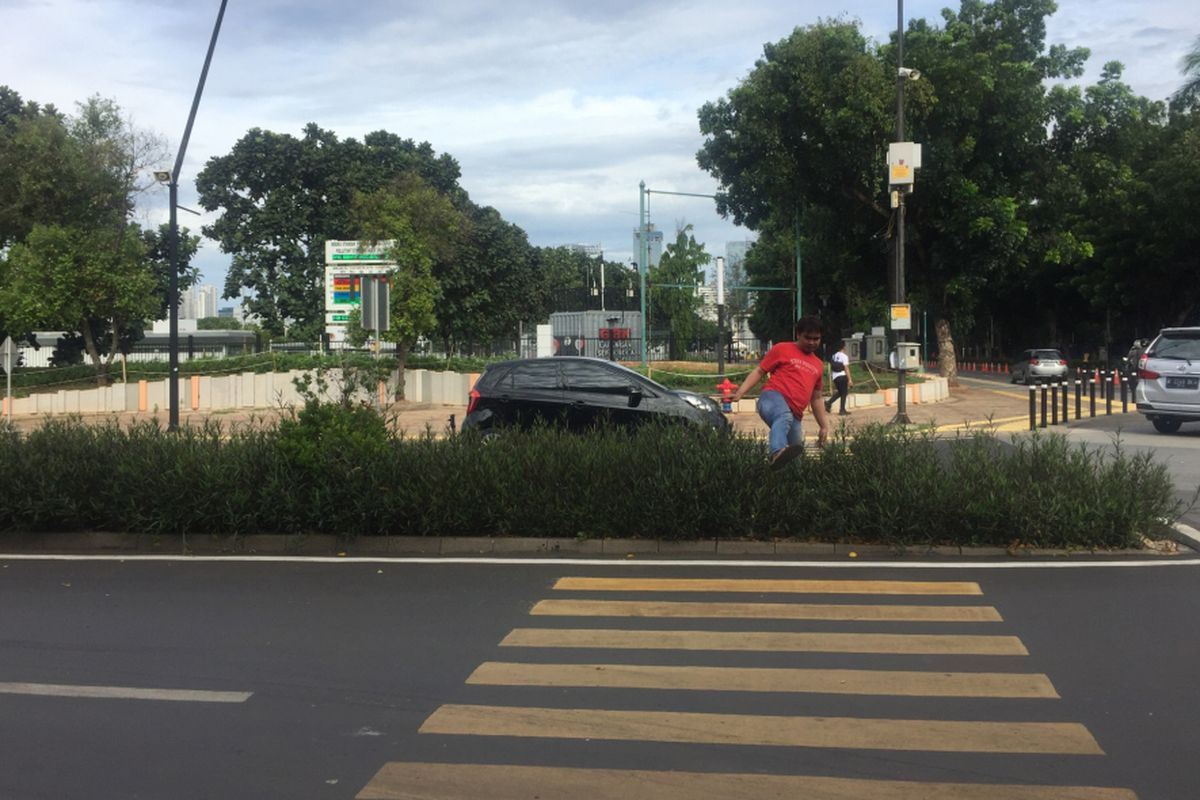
x=551, y=561
x=123, y=693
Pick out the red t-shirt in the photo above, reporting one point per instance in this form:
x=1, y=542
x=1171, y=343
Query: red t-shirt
x=794, y=374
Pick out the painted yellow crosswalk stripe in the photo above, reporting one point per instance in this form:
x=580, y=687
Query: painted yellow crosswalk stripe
x=768, y=585
x=897, y=643
x=423, y=781
x=899, y=683
x=813, y=611
x=936, y=736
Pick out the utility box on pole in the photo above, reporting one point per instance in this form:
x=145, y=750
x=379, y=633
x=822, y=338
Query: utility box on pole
x=908, y=355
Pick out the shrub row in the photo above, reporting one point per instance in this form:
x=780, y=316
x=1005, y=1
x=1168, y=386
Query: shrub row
x=335, y=469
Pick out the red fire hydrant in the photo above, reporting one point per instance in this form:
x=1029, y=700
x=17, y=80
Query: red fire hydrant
x=727, y=386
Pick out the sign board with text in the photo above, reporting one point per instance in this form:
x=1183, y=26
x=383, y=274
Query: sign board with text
x=347, y=264
x=902, y=317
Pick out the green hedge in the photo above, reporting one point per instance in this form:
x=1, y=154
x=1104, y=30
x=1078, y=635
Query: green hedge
x=338, y=471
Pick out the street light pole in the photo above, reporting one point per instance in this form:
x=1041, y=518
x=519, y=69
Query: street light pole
x=901, y=391
x=173, y=290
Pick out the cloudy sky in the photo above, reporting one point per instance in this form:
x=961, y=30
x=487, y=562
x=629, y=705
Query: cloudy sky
x=555, y=110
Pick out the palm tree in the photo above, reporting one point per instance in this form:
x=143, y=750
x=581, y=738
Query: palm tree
x=1190, y=64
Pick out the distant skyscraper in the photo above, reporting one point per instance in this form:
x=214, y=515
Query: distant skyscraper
x=735, y=252
x=654, y=242
x=206, y=301
x=187, y=303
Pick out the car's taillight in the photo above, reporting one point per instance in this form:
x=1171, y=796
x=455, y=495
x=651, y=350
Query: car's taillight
x=1148, y=374
x=1033, y=362
x=474, y=401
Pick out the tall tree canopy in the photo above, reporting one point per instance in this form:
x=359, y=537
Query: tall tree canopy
x=1036, y=211
x=75, y=261
x=281, y=198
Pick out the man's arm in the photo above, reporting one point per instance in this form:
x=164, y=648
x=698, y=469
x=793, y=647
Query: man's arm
x=751, y=381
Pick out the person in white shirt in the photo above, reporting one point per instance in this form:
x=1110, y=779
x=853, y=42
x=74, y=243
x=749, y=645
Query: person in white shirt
x=840, y=366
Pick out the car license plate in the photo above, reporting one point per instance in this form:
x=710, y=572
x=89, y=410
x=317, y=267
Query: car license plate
x=1183, y=383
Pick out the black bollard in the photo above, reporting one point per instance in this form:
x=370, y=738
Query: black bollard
x=1078, y=399
x=1124, y=395
x=1043, y=405
x=1108, y=395
x=1053, y=403
x=1092, y=396
x=1066, y=403
x=1032, y=408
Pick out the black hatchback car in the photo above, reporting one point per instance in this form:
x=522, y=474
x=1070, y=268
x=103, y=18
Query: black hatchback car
x=580, y=393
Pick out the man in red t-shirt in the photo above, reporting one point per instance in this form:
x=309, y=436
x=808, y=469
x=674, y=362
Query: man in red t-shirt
x=795, y=382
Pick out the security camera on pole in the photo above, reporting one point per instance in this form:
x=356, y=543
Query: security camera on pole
x=904, y=158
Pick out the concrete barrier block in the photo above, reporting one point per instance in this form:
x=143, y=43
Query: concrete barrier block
x=215, y=394
x=80, y=401
x=426, y=386
x=45, y=403
x=262, y=390
x=437, y=388
x=246, y=389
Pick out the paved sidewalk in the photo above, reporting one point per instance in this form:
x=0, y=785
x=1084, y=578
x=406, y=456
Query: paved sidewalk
x=969, y=406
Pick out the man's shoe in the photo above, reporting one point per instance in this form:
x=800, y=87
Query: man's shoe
x=843, y=413
x=783, y=457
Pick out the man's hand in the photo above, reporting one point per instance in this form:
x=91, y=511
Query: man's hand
x=823, y=435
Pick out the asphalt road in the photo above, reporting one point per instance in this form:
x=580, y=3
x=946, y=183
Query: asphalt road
x=316, y=680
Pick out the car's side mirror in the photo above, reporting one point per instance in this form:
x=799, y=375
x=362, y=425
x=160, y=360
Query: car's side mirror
x=635, y=395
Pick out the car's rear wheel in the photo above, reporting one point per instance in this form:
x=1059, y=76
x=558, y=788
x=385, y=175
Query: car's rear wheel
x=1166, y=425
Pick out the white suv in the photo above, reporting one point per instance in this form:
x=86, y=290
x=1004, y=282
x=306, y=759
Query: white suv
x=1168, y=387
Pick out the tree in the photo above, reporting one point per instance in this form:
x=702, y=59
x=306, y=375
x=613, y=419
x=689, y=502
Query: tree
x=281, y=198
x=424, y=225
x=1189, y=92
x=71, y=186
x=801, y=143
x=69, y=278
x=798, y=147
x=675, y=280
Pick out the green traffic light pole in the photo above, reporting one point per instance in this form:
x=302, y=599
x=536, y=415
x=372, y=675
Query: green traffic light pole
x=644, y=257
x=173, y=186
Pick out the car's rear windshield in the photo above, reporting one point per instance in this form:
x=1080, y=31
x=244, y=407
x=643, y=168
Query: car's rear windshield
x=1177, y=344
x=1049, y=355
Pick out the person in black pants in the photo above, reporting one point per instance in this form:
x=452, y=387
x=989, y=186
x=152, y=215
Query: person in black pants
x=840, y=365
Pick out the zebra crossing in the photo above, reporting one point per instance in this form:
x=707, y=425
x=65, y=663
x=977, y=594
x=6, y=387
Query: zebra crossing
x=622, y=655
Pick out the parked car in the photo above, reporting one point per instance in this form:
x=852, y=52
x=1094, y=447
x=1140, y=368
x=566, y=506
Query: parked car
x=1040, y=364
x=1168, y=388
x=579, y=392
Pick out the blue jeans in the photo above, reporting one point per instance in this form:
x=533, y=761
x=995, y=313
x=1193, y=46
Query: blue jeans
x=785, y=428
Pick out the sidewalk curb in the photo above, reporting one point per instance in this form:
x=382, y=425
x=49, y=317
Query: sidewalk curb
x=406, y=546
x=1186, y=535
